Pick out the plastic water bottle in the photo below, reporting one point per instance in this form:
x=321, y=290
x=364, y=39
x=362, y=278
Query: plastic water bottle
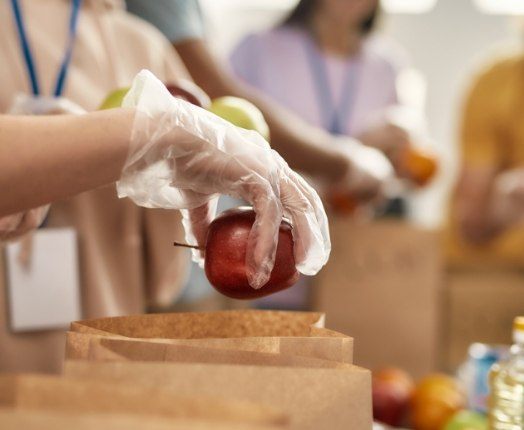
x=506, y=402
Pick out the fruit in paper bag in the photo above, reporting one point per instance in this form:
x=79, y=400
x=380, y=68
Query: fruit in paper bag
x=435, y=400
x=392, y=391
x=467, y=420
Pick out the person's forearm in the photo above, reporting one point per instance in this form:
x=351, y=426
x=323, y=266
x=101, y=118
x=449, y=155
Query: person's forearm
x=507, y=202
x=43, y=159
x=483, y=209
x=304, y=147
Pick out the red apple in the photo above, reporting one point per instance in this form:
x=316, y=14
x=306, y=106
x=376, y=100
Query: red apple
x=392, y=391
x=389, y=405
x=225, y=256
x=190, y=92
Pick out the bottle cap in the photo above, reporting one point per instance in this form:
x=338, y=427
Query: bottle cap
x=518, y=330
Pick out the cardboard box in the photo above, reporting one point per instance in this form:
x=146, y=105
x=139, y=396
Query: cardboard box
x=382, y=286
x=480, y=305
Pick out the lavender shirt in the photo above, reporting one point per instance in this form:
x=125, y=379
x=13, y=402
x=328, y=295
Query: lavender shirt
x=276, y=63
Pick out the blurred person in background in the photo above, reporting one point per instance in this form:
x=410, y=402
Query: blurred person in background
x=487, y=209
x=306, y=148
x=126, y=260
x=325, y=63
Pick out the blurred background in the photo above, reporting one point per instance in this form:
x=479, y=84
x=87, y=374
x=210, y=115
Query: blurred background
x=433, y=32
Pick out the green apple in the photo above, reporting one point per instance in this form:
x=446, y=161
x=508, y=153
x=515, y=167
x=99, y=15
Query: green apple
x=114, y=99
x=241, y=113
x=467, y=420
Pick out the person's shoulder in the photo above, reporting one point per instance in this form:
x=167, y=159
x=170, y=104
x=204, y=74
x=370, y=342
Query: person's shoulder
x=502, y=64
x=494, y=79
x=272, y=37
x=138, y=29
x=285, y=32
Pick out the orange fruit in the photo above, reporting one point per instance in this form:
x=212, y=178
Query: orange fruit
x=419, y=166
x=342, y=203
x=435, y=400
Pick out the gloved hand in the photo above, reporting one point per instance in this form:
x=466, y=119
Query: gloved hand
x=394, y=131
x=389, y=138
x=369, y=171
x=14, y=226
x=183, y=157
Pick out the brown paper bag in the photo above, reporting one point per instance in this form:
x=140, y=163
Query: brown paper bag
x=383, y=286
x=314, y=393
x=297, y=333
x=112, y=349
x=480, y=304
x=52, y=420
x=73, y=395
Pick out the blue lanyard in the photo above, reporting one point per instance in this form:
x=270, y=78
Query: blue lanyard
x=28, y=56
x=334, y=116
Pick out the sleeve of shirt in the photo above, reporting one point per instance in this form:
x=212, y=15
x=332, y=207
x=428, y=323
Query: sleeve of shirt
x=244, y=58
x=480, y=132
x=178, y=19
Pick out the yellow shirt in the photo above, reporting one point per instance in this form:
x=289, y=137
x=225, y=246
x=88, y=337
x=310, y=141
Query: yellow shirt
x=492, y=134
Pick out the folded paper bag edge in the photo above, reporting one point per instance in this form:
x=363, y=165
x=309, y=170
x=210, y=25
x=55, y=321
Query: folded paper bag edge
x=105, y=349
x=231, y=323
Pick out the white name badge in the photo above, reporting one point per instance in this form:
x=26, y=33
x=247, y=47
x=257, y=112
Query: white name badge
x=43, y=286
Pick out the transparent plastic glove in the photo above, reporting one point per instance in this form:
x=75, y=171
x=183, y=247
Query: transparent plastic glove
x=370, y=171
x=387, y=137
x=183, y=157
x=15, y=226
x=394, y=131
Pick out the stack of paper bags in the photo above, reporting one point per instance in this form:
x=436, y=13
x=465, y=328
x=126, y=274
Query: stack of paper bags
x=40, y=401
x=285, y=360
x=52, y=420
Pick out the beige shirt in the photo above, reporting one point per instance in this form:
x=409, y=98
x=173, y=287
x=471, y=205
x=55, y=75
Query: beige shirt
x=127, y=259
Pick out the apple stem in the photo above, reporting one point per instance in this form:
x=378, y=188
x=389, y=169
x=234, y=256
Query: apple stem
x=185, y=245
